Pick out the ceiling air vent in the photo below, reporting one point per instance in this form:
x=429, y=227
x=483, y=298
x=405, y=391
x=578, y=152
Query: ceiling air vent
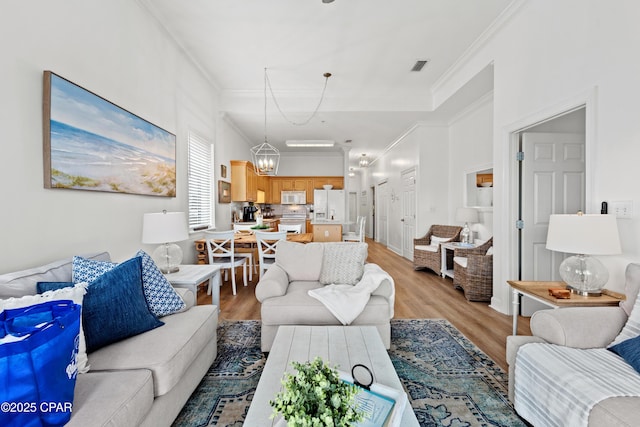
x=419, y=65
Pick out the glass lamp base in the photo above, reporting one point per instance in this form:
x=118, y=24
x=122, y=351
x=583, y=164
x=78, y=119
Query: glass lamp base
x=168, y=257
x=465, y=234
x=584, y=275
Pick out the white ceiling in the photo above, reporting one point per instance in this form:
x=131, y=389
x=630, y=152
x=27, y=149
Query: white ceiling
x=369, y=46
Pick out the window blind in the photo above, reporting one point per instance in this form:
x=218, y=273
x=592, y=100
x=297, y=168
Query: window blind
x=200, y=182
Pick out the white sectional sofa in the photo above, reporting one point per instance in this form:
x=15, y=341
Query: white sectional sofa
x=143, y=380
x=564, y=375
x=300, y=268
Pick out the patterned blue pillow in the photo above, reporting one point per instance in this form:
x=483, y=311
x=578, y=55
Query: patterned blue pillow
x=88, y=270
x=161, y=298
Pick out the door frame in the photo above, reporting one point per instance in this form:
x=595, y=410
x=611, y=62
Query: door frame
x=508, y=264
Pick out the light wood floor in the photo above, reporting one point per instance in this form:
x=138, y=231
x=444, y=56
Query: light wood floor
x=419, y=295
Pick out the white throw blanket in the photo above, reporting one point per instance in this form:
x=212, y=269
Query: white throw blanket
x=346, y=302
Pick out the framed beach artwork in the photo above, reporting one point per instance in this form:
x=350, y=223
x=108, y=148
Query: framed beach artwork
x=92, y=144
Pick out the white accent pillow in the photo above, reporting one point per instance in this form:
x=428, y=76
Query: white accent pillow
x=632, y=327
x=490, y=251
x=343, y=263
x=429, y=248
x=435, y=240
x=300, y=261
x=75, y=294
x=461, y=261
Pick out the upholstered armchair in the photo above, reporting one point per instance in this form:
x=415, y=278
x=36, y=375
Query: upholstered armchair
x=473, y=271
x=426, y=249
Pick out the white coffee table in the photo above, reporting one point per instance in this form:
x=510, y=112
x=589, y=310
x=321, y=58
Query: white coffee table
x=191, y=275
x=343, y=346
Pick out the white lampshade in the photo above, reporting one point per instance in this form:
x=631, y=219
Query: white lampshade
x=583, y=234
x=467, y=215
x=164, y=227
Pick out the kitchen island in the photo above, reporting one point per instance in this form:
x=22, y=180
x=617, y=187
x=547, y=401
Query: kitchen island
x=327, y=231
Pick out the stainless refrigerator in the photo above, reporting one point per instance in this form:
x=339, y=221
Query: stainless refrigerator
x=329, y=205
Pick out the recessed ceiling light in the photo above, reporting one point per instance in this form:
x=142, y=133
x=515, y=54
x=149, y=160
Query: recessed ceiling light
x=310, y=143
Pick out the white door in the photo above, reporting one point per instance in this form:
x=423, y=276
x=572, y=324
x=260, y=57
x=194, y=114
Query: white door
x=353, y=209
x=408, y=212
x=382, y=209
x=553, y=182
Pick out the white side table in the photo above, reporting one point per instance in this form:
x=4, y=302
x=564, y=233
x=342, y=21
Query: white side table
x=450, y=246
x=190, y=276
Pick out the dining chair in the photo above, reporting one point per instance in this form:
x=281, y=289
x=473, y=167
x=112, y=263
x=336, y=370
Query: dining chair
x=290, y=228
x=246, y=250
x=267, y=242
x=221, y=249
x=358, y=234
x=243, y=227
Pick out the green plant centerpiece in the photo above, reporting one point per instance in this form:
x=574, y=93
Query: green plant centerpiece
x=315, y=396
x=260, y=227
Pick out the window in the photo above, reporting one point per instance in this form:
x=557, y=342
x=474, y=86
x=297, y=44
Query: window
x=200, y=184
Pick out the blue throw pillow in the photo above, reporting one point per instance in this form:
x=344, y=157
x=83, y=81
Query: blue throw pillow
x=629, y=350
x=160, y=295
x=43, y=287
x=115, y=307
x=88, y=270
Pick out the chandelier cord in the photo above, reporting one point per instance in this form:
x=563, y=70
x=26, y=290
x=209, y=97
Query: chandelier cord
x=275, y=101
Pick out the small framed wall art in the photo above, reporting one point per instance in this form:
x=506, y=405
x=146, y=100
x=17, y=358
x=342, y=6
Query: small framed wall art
x=223, y=171
x=224, y=192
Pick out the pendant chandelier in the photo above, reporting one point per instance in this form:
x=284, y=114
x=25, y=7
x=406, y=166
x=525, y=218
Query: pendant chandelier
x=266, y=157
x=364, y=161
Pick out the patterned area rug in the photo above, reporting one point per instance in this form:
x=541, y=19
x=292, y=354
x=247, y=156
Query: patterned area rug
x=450, y=381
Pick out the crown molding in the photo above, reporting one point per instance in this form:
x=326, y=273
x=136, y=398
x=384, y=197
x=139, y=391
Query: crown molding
x=506, y=16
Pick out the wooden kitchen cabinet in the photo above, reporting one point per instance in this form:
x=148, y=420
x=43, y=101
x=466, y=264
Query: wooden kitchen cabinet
x=244, y=181
x=273, y=185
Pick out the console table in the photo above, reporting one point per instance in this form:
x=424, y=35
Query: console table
x=539, y=291
x=190, y=276
x=450, y=246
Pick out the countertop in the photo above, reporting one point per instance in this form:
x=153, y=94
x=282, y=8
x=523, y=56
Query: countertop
x=330, y=222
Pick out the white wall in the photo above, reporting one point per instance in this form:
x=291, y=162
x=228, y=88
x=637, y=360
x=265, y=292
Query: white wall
x=424, y=147
x=116, y=50
x=471, y=149
x=311, y=164
x=550, y=56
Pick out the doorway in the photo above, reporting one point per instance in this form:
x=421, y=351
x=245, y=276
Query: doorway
x=382, y=210
x=551, y=180
x=408, y=219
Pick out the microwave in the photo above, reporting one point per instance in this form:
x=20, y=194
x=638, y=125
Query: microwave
x=293, y=197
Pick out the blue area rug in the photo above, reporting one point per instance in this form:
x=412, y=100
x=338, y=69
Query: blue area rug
x=449, y=381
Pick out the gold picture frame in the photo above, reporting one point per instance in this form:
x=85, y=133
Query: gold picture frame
x=223, y=171
x=224, y=192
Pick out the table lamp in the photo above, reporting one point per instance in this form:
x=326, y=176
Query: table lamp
x=165, y=228
x=466, y=215
x=584, y=235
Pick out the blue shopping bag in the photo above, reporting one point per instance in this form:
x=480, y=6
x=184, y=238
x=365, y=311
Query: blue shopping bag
x=38, y=349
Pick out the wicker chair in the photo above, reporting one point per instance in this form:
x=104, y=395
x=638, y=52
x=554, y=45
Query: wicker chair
x=423, y=257
x=476, y=279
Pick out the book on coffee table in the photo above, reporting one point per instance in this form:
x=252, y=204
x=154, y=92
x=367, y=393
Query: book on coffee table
x=382, y=406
